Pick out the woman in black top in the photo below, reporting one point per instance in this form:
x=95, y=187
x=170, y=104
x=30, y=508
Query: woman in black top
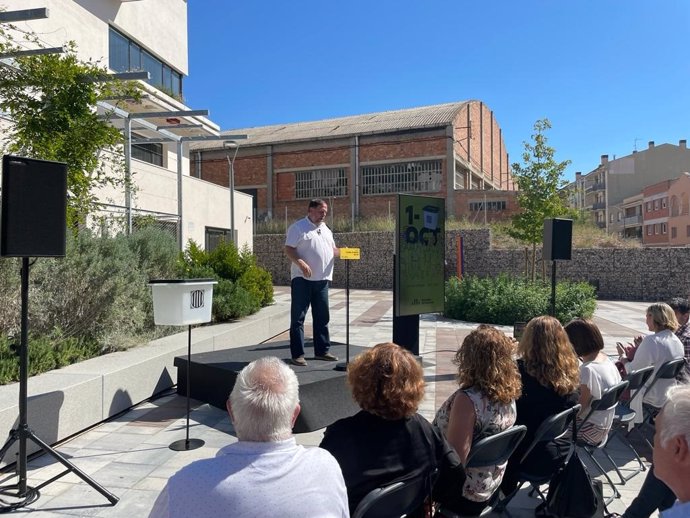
x=549, y=370
x=388, y=441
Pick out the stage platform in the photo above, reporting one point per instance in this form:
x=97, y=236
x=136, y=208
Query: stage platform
x=323, y=392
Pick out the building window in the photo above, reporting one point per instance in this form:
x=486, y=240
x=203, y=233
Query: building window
x=687, y=231
x=663, y=228
x=215, y=236
x=321, y=183
x=648, y=206
x=674, y=232
x=419, y=176
x=611, y=218
x=656, y=228
x=663, y=203
x=620, y=216
x=656, y=204
x=151, y=153
x=649, y=230
x=493, y=206
x=127, y=56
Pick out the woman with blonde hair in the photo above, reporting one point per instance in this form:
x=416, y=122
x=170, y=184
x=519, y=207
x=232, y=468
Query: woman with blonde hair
x=388, y=440
x=549, y=370
x=484, y=405
x=656, y=349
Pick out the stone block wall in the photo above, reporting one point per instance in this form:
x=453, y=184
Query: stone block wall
x=643, y=274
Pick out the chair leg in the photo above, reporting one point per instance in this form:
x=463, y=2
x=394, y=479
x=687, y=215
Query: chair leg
x=502, y=504
x=616, y=493
x=625, y=442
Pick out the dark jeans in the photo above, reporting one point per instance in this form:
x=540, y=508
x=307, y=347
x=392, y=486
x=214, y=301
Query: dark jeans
x=305, y=293
x=653, y=495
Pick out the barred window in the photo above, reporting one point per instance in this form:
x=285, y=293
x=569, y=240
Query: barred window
x=321, y=183
x=420, y=176
x=494, y=206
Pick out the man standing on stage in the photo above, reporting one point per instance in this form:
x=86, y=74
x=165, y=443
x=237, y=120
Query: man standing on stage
x=310, y=247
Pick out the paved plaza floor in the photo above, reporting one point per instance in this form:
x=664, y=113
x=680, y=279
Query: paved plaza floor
x=129, y=454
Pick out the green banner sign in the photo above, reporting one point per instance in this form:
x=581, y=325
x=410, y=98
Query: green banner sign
x=420, y=255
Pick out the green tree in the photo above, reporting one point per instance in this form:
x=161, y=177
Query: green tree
x=51, y=100
x=539, y=180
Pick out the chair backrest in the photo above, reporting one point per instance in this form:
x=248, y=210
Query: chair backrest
x=552, y=428
x=394, y=500
x=637, y=379
x=608, y=400
x=496, y=449
x=668, y=370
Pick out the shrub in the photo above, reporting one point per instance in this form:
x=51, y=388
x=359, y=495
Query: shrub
x=243, y=287
x=232, y=301
x=505, y=300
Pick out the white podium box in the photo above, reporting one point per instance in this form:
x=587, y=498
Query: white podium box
x=181, y=302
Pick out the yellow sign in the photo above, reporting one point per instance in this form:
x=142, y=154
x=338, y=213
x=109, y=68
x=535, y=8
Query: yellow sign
x=349, y=253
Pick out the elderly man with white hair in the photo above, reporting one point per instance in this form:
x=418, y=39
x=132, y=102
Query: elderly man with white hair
x=672, y=449
x=265, y=473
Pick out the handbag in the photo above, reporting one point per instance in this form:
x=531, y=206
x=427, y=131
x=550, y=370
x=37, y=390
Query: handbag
x=572, y=492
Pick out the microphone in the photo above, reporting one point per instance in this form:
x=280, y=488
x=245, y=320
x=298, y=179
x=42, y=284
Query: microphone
x=318, y=231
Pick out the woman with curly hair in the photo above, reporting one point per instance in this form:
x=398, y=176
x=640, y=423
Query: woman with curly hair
x=484, y=405
x=549, y=370
x=388, y=440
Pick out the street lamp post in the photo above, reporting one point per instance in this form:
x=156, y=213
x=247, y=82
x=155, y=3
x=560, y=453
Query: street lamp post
x=231, y=183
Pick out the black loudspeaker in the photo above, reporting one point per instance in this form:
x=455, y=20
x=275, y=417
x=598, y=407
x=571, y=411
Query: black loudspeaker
x=33, y=210
x=558, y=238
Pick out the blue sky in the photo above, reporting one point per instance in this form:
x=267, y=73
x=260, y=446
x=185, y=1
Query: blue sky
x=609, y=74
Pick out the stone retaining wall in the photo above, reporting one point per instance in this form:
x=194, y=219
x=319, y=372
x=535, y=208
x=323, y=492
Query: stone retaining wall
x=643, y=274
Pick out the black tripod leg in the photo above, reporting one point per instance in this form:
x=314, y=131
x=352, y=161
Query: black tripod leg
x=13, y=437
x=71, y=467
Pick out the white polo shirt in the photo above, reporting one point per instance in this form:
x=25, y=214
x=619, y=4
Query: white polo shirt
x=255, y=480
x=314, y=244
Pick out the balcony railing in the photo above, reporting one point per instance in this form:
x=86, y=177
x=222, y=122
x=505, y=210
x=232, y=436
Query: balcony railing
x=599, y=205
x=632, y=220
x=599, y=186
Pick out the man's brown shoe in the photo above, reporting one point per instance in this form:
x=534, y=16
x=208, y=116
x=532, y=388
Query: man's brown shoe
x=328, y=357
x=301, y=362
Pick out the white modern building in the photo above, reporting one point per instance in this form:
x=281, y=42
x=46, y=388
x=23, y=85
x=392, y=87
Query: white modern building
x=151, y=36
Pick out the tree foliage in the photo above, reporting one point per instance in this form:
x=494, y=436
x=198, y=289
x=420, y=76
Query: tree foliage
x=539, y=180
x=51, y=101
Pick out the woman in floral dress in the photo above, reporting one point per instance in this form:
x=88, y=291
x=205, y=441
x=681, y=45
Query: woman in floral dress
x=484, y=405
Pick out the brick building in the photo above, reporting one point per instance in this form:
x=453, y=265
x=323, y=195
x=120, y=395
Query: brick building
x=359, y=163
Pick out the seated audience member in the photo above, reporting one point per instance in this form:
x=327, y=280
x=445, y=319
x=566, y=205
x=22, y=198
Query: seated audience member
x=672, y=449
x=550, y=378
x=265, y=472
x=388, y=441
x=655, y=349
x=597, y=374
x=681, y=310
x=484, y=405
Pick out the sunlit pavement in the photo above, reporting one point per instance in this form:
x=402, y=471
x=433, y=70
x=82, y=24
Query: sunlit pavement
x=129, y=455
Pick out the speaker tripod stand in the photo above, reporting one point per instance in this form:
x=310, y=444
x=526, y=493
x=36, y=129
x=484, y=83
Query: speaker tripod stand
x=19, y=495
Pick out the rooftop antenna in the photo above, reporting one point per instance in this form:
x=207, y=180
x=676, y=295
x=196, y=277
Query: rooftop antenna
x=635, y=143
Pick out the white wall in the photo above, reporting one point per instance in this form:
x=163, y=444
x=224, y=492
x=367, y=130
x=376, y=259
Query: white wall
x=158, y=25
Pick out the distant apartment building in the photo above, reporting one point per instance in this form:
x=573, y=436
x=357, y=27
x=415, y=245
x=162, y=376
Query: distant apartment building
x=609, y=193
x=150, y=36
x=360, y=163
x=666, y=213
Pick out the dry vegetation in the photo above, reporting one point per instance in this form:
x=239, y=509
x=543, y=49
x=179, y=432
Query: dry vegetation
x=585, y=234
